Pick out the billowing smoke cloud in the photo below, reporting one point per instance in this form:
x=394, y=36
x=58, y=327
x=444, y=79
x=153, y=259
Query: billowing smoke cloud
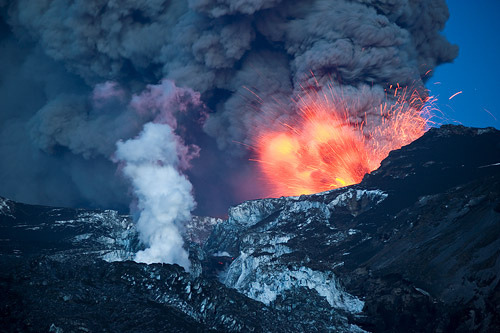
x=164, y=195
x=82, y=61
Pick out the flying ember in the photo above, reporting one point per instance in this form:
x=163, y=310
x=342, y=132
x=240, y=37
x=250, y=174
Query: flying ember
x=323, y=147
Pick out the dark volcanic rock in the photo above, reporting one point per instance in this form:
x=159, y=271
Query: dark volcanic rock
x=58, y=275
x=415, y=247
x=418, y=241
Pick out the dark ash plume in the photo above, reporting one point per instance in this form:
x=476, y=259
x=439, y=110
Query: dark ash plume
x=63, y=53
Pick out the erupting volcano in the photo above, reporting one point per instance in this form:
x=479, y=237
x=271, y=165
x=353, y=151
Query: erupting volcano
x=323, y=147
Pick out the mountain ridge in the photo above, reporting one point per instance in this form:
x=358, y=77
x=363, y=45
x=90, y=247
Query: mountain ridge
x=413, y=247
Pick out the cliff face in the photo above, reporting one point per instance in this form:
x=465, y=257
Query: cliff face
x=414, y=247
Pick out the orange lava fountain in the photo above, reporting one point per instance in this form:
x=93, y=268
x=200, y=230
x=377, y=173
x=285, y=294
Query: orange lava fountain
x=323, y=148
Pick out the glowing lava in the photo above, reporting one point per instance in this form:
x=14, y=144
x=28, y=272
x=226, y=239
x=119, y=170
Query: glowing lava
x=323, y=148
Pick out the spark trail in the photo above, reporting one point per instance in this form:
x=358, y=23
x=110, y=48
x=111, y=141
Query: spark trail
x=323, y=147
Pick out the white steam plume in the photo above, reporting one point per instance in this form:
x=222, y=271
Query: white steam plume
x=153, y=162
x=163, y=193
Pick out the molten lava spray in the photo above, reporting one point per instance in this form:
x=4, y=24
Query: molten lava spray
x=323, y=148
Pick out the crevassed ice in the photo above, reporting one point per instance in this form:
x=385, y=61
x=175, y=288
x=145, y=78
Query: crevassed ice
x=251, y=212
x=260, y=280
x=262, y=277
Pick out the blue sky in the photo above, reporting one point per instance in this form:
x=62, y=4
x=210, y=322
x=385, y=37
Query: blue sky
x=475, y=27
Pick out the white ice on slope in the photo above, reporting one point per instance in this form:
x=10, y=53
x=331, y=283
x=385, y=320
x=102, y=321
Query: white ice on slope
x=263, y=270
x=221, y=254
x=357, y=201
x=343, y=199
x=4, y=207
x=250, y=212
x=262, y=276
x=261, y=280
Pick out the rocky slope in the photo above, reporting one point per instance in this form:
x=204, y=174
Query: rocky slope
x=414, y=247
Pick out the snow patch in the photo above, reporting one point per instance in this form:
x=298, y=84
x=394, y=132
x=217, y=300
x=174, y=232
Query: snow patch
x=489, y=165
x=481, y=131
x=353, y=232
x=81, y=237
x=221, y=254
x=357, y=201
x=343, y=199
x=117, y=255
x=304, y=206
x=423, y=292
x=5, y=207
